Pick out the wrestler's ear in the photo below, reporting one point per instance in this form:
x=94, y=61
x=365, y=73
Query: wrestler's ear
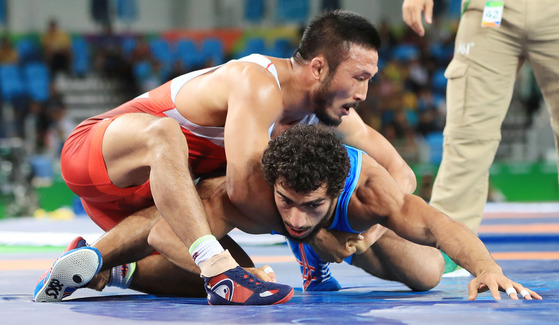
x=319, y=67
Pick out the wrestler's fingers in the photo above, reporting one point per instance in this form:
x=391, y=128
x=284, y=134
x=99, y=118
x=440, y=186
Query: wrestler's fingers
x=350, y=248
x=472, y=290
x=359, y=243
x=511, y=292
x=494, y=288
x=353, y=240
x=270, y=272
x=259, y=273
x=526, y=293
x=534, y=295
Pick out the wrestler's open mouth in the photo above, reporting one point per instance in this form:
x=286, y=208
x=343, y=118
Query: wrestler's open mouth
x=297, y=233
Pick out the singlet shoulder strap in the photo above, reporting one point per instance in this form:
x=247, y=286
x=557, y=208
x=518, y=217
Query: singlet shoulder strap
x=263, y=62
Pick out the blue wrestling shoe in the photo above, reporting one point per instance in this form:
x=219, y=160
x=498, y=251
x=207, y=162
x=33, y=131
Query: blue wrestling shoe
x=239, y=287
x=74, y=269
x=315, y=272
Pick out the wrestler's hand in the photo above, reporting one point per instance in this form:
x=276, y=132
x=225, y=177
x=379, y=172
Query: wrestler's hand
x=495, y=282
x=335, y=246
x=370, y=237
x=265, y=273
x=411, y=13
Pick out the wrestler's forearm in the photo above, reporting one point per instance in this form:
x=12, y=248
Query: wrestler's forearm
x=404, y=177
x=466, y=249
x=421, y=223
x=356, y=133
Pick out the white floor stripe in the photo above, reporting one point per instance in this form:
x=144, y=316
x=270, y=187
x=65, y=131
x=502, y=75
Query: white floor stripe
x=63, y=238
x=45, y=232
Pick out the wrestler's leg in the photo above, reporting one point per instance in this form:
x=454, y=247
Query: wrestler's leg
x=127, y=241
x=156, y=150
x=221, y=214
x=155, y=274
x=397, y=259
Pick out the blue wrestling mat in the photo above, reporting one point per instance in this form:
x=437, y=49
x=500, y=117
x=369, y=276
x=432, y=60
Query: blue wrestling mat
x=530, y=257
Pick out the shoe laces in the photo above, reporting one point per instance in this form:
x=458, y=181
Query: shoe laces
x=250, y=281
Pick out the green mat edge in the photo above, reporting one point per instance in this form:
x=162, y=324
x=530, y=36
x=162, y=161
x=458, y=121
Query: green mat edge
x=11, y=249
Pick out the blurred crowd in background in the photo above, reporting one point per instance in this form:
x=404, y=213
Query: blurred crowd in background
x=406, y=100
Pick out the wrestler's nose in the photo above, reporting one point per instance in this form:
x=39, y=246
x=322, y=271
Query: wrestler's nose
x=361, y=93
x=298, y=218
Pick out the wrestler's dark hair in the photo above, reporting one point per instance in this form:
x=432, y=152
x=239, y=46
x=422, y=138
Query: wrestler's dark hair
x=306, y=157
x=332, y=33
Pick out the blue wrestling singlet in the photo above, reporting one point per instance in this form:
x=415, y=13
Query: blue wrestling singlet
x=315, y=272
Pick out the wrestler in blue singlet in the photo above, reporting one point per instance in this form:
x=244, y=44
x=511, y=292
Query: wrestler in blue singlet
x=315, y=272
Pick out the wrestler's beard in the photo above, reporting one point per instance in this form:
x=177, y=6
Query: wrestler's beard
x=305, y=239
x=324, y=223
x=323, y=99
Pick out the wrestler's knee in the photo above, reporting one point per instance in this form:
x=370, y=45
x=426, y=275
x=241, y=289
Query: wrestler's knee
x=165, y=134
x=157, y=235
x=162, y=128
x=431, y=272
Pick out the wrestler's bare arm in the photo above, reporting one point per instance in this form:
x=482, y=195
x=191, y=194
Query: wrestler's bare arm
x=223, y=215
x=412, y=218
x=335, y=246
x=356, y=133
x=379, y=200
x=253, y=106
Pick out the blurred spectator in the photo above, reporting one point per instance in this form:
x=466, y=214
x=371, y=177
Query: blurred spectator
x=141, y=51
x=408, y=148
x=425, y=99
x=330, y=4
x=56, y=46
x=418, y=76
x=425, y=186
x=147, y=75
x=401, y=125
x=53, y=124
x=427, y=122
x=177, y=69
x=8, y=53
x=110, y=60
x=387, y=35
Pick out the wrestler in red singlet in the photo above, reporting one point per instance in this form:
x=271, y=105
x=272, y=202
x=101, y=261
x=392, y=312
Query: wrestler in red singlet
x=84, y=170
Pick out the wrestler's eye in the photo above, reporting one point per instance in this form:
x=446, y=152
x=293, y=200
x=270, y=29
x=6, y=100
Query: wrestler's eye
x=285, y=200
x=314, y=205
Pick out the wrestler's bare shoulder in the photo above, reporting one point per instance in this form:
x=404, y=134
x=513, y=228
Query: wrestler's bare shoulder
x=249, y=73
x=204, y=100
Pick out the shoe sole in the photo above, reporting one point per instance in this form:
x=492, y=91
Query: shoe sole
x=285, y=299
x=281, y=301
x=74, y=269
